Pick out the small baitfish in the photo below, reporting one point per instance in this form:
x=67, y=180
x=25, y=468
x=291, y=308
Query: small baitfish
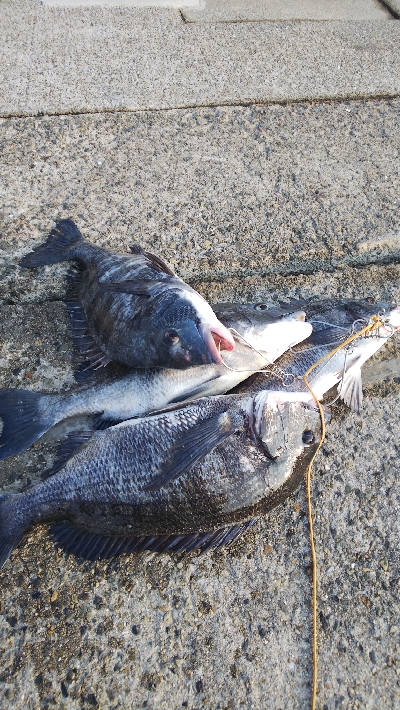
x=194, y=477
x=26, y=415
x=132, y=308
x=332, y=322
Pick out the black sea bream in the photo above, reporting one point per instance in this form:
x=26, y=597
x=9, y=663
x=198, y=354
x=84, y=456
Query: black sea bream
x=132, y=308
x=194, y=477
x=26, y=415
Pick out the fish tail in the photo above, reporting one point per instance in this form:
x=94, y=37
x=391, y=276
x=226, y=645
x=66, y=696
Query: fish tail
x=12, y=529
x=57, y=247
x=24, y=420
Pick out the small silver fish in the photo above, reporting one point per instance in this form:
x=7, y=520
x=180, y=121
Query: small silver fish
x=132, y=308
x=193, y=477
x=332, y=321
x=26, y=415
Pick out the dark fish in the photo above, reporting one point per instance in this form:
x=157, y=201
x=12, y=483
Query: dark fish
x=192, y=477
x=26, y=415
x=332, y=322
x=132, y=308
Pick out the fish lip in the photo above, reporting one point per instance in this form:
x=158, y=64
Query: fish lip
x=216, y=335
x=297, y=315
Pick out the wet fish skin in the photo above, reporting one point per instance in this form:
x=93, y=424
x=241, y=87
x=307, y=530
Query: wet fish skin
x=214, y=448
x=332, y=322
x=137, y=311
x=27, y=415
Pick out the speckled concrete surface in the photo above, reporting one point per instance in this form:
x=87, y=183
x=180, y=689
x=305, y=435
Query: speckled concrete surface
x=247, y=203
x=219, y=192
x=58, y=60
x=261, y=10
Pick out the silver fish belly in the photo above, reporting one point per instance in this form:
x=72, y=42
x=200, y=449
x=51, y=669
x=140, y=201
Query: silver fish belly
x=27, y=415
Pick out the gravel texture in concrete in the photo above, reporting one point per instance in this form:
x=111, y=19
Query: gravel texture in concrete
x=261, y=10
x=220, y=192
x=58, y=60
x=247, y=203
x=120, y=3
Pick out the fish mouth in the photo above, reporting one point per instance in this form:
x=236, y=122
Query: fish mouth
x=297, y=315
x=216, y=338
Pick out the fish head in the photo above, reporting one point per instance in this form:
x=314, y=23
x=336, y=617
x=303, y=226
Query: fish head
x=363, y=310
x=286, y=423
x=183, y=339
x=268, y=328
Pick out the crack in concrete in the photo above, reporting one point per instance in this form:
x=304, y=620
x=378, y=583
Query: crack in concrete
x=304, y=267
x=213, y=104
x=301, y=268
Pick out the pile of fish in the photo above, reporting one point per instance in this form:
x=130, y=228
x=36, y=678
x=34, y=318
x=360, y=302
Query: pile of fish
x=173, y=462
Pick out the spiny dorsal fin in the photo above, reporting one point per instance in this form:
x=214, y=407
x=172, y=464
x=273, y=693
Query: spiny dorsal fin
x=156, y=261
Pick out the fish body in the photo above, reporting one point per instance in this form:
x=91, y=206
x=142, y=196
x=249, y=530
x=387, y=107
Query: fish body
x=333, y=322
x=131, y=308
x=181, y=475
x=27, y=415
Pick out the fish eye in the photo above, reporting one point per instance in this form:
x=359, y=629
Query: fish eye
x=171, y=337
x=261, y=307
x=370, y=300
x=308, y=437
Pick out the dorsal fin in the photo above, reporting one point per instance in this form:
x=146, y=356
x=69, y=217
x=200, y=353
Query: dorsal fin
x=159, y=263
x=136, y=249
x=156, y=261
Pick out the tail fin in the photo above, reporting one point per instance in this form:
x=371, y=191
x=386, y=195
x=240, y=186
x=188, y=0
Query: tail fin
x=11, y=531
x=61, y=238
x=23, y=420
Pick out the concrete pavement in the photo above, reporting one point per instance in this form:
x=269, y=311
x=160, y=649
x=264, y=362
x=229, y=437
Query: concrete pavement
x=59, y=60
x=247, y=202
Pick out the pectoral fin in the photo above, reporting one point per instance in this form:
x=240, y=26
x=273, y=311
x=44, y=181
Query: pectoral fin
x=193, y=445
x=351, y=390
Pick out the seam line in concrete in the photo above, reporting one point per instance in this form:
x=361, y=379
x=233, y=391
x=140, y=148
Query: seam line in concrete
x=394, y=16
x=216, y=104
x=303, y=267
x=390, y=9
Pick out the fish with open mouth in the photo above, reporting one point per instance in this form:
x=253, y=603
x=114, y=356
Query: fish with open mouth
x=26, y=415
x=333, y=321
x=131, y=308
x=194, y=477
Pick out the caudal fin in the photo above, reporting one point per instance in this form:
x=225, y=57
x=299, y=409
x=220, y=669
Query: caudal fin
x=23, y=422
x=11, y=530
x=61, y=238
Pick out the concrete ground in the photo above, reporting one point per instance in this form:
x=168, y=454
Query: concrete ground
x=247, y=202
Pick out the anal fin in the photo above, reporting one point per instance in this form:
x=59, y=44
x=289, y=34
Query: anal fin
x=96, y=546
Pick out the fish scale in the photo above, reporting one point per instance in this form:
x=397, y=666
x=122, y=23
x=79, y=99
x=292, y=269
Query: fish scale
x=27, y=415
x=196, y=472
x=130, y=301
